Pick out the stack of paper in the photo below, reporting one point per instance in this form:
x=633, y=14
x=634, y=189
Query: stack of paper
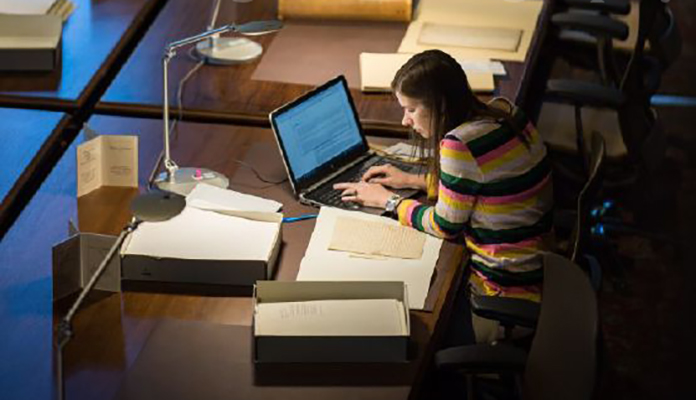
x=203, y=235
x=59, y=8
x=207, y=241
x=378, y=69
x=351, y=317
x=322, y=264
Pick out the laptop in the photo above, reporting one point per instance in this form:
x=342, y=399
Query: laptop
x=322, y=143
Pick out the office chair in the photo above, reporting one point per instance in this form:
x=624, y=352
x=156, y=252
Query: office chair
x=562, y=360
x=637, y=134
x=582, y=250
x=584, y=31
x=620, y=7
x=585, y=40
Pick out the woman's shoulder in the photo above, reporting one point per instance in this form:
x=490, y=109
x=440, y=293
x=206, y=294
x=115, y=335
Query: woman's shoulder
x=472, y=130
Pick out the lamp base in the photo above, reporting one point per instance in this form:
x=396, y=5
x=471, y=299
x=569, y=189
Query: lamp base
x=228, y=50
x=185, y=179
x=157, y=206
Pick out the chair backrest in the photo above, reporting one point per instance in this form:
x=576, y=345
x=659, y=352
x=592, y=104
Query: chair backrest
x=562, y=361
x=636, y=119
x=588, y=195
x=665, y=38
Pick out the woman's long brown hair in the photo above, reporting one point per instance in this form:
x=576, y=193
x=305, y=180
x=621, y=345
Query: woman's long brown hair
x=439, y=83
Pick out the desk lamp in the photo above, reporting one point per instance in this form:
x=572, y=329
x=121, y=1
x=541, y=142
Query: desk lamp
x=183, y=180
x=227, y=50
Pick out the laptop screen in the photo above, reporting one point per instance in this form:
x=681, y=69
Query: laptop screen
x=318, y=133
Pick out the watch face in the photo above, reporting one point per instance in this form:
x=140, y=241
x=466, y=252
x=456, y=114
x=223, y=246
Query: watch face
x=391, y=203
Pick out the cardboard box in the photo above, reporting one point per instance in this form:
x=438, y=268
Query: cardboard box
x=335, y=347
x=77, y=258
x=29, y=42
x=227, y=271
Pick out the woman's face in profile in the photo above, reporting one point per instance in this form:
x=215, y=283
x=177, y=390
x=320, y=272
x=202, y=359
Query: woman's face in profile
x=416, y=116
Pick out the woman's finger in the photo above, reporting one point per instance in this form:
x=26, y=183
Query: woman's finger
x=374, y=171
x=344, y=185
x=352, y=199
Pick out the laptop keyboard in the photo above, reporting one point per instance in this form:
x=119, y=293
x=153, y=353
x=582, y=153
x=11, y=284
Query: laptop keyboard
x=326, y=194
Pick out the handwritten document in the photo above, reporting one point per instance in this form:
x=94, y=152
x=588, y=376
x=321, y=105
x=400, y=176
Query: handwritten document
x=110, y=160
x=376, y=239
x=364, y=317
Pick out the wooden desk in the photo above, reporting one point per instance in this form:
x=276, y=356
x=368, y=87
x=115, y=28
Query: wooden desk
x=228, y=94
x=94, y=42
x=23, y=134
x=111, y=330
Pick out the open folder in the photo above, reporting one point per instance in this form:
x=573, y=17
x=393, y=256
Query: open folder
x=322, y=264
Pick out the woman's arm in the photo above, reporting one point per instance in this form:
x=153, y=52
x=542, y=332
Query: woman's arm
x=459, y=181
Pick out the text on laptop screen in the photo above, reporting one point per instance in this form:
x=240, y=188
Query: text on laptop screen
x=317, y=130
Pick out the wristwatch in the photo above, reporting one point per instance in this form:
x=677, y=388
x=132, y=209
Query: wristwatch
x=392, y=203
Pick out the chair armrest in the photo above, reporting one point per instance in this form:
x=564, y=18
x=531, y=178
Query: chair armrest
x=620, y=7
x=596, y=25
x=584, y=93
x=481, y=358
x=509, y=311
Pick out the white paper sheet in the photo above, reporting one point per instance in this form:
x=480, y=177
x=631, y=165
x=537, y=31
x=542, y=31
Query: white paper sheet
x=208, y=197
x=204, y=235
x=321, y=264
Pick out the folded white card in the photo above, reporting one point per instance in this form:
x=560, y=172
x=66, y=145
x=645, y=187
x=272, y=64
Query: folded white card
x=108, y=160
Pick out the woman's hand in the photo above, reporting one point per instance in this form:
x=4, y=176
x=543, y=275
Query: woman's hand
x=367, y=194
x=389, y=175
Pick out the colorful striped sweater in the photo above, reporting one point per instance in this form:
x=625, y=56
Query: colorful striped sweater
x=496, y=192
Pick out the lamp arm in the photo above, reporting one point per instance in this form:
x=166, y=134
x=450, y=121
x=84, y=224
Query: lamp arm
x=249, y=28
x=168, y=162
x=214, y=14
x=169, y=53
x=171, y=47
x=64, y=329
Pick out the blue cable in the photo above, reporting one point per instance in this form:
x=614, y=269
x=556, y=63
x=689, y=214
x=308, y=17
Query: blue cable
x=300, y=218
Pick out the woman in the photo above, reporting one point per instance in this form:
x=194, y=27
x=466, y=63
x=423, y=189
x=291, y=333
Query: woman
x=488, y=170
